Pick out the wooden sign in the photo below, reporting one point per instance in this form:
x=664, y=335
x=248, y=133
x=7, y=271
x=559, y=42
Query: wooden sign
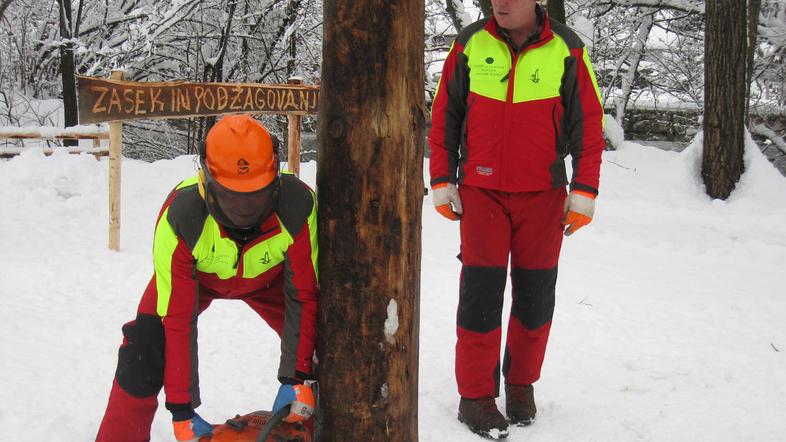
x=102, y=100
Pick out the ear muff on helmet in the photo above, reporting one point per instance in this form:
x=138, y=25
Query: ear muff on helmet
x=201, y=182
x=201, y=171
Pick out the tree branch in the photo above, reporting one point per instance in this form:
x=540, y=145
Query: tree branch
x=3, y=6
x=678, y=5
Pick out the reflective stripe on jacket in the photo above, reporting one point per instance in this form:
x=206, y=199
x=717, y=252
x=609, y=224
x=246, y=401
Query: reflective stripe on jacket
x=192, y=252
x=504, y=120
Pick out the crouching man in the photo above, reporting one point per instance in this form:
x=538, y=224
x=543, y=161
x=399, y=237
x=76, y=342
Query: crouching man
x=237, y=230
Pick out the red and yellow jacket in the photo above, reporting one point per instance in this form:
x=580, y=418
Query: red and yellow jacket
x=193, y=256
x=505, y=120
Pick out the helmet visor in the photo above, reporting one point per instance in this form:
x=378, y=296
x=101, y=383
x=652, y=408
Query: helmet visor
x=239, y=210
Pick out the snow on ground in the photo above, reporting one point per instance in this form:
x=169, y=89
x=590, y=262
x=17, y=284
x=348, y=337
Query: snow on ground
x=669, y=324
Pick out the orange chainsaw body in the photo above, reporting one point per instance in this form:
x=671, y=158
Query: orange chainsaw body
x=247, y=428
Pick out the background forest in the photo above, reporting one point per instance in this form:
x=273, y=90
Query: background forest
x=669, y=318
x=648, y=56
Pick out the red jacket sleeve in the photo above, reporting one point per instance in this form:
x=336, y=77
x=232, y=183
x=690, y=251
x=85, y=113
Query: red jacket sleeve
x=587, y=142
x=180, y=349
x=301, y=294
x=447, y=117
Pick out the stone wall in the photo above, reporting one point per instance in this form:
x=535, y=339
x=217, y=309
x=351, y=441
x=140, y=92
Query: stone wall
x=666, y=129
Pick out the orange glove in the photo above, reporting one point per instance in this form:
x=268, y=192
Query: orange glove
x=301, y=399
x=192, y=429
x=578, y=211
x=447, y=200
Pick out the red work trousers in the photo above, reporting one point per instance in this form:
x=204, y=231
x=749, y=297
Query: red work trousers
x=133, y=399
x=525, y=228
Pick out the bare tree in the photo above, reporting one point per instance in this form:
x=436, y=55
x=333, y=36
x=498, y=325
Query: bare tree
x=632, y=59
x=724, y=97
x=67, y=68
x=754, y=7
x=485, y=7
x=455, y=9
x=4, y=5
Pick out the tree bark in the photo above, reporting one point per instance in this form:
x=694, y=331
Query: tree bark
x=725, y=44
x=754, y=7
x=370, y=185
x=67, y=68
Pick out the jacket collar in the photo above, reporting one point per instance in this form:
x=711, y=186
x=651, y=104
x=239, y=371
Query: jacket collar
x=539, y=38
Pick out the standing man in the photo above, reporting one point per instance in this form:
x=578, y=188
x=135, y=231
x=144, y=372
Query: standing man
x=237, y=230
x=517, y=95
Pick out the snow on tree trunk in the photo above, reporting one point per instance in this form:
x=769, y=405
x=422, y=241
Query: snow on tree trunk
x=634, y=57
x=458, y=16
x=724, y=96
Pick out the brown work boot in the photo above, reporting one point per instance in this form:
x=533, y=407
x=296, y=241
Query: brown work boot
x=483, y=418
x=520, y=404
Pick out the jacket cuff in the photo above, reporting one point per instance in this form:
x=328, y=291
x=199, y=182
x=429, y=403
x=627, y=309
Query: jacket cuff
x=583, y=187
x=180, y=412
x=297, y=379
x=439, y=180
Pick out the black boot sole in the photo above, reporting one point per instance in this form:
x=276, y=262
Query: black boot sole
x=522, y=422
x=486, y=434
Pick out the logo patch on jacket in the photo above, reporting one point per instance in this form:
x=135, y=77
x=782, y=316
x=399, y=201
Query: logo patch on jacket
x=265, y=259
x=485, y=171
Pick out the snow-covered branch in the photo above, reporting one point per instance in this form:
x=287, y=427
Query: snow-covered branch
x=765, y=131
x=31, y=132
x=678, y=5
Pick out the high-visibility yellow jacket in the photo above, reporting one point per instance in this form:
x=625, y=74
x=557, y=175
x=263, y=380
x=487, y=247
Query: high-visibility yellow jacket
x=505, y=120
x=194, y=256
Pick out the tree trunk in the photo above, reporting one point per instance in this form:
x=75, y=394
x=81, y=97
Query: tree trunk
x=725, y=44
x=634, y=58
x=485, y=7
x=754, y=6
x=556, y=10
x=3, y=6
x=370, y=185
x=70, y=112
x=450, y=8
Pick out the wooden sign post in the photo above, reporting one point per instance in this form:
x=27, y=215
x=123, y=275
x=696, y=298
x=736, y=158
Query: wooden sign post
x=115, y=101
x=370, y=181
x=293, y=137
x=115, y=149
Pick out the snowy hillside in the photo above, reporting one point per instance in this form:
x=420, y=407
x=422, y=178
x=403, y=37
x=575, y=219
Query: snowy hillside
x=670, y=322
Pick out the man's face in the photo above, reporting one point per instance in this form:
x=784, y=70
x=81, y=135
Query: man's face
x=514, y=15
x=245, y=210
x=239, y=210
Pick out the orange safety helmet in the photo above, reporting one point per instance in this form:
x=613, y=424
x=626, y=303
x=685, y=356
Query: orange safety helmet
x=239, y=172
x=239, y=154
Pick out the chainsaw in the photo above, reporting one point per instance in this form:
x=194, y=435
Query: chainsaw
x=260, y=426
x=264, y=426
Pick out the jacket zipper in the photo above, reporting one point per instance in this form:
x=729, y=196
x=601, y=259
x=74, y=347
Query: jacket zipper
x=508, y=119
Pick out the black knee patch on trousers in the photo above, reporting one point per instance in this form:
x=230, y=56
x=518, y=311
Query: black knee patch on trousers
x=481, y=295
x=533, y=296
x=140, y=363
